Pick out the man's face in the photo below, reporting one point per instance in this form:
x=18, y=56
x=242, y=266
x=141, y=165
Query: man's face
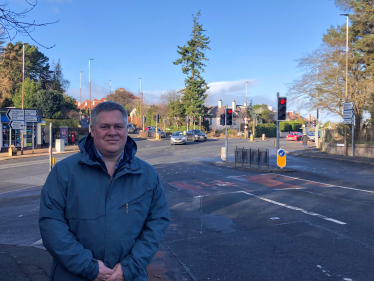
x=110, y=133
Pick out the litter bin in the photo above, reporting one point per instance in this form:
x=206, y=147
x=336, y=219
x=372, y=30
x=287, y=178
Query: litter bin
x=12, y=150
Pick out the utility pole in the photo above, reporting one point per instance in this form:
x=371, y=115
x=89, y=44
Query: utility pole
x=89, y=78
x=80, y=96
x=277, y=124
x=141, y=102
x=316, y=140
x=246, y=110
x=226, y=141
x=23, y=93
x=110, y=87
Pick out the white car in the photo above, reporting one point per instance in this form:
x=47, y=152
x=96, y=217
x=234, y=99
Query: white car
x=177, y=138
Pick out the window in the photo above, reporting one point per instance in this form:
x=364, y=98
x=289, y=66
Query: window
x=15, y=137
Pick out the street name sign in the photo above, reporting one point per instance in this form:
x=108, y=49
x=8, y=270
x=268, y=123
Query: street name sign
x=348, y=114
x=281, y=158
x=17, y=125
x=15, y=114
x=31, y=112
x=31, y=118
x=349, y=105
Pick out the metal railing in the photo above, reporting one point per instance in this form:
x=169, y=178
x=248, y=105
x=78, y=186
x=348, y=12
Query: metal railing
x=252, y=156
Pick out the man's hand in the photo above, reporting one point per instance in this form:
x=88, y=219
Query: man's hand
x=117, y=275
x=104, y=272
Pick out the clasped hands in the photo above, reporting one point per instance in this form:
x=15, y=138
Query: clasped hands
x=107, y=274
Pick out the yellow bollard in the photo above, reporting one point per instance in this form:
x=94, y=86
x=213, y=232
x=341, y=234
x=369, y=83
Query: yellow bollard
x=53, y=161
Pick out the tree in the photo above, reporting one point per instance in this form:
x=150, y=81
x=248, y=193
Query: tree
x=68, y=104
x=192, y=58
x=36, y=67
x=12, y=22
x=57, y=81
x=30, y=95
x=50, y=102
x=124, y=97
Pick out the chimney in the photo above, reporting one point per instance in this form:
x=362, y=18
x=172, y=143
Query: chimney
x=219, y=103
x=299, y=115
x=245, y=104
x=270, y=107
x=310, y=117
x=233, y=105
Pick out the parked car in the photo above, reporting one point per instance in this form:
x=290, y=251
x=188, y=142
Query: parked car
x=149, y=127
x=295, y=136
x=311, y=136
x=177, y=138
x=161, y=132
x=131, y=129
x=195, y=135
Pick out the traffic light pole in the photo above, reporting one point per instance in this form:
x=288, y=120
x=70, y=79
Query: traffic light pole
x=277, y=123
x=226, y=141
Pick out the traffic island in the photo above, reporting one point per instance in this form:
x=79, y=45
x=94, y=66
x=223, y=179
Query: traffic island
x=255, y=168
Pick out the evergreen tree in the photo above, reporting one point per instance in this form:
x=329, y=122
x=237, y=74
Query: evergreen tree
x=30, y=95
x=57, y=82
x=192, y=58
x=50, y=102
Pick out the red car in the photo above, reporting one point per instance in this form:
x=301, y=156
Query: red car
x=295, y=136
x=150, y=127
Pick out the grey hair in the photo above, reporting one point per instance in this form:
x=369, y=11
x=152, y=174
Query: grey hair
x=107, y=106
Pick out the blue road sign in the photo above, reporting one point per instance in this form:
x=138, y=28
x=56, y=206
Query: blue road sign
x=281, y=152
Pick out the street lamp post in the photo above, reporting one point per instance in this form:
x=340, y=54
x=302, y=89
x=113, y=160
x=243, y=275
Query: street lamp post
x=346, y=85
x=110, y=87
x=23, y=92
x=141, y=103
x=80, y=96
x=246, y=109
x=89, y=78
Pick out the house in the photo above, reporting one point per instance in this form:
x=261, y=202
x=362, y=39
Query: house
x=214, y=115
x=86, y=103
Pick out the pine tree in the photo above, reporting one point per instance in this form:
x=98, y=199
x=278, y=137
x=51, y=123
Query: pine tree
x=30, y=94
x=193, y=62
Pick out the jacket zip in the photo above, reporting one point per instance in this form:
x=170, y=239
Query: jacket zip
x=127, y=208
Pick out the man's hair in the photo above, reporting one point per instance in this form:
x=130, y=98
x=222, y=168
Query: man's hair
x=107, y=106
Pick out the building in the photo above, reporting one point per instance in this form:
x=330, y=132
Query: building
x=13, y=136
x=214, y=115
x=293, y=116
x=86, y=103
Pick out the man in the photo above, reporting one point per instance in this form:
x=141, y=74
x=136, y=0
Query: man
x=103, y=211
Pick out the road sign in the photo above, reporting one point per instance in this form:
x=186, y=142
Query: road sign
x=348, y=114
x=349, y=121
x=15, y=114
x=349, y=105
x=31, y=112
x=31, y=118
x=17, y=125
x=281, y=158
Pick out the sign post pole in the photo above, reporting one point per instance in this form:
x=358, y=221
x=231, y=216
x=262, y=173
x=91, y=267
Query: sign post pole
x=50, y=146
x=33, y=138
x=277, y=124
x=226, y=141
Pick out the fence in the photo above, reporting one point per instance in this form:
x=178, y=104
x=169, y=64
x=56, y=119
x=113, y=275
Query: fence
x=252, y=156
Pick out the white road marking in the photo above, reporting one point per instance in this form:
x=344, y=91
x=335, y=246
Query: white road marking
x=39, y=242
x=329, y=185
x=20, y=189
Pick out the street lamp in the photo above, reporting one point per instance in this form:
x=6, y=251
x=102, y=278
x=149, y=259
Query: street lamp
x=110, y=87
x=246, y=109
x=80, y=95
x=346, y=85
x=89, y=78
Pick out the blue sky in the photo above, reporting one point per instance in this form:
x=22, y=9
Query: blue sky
x=256, y=41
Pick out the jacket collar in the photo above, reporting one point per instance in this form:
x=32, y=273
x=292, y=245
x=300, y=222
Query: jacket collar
x=89, y=157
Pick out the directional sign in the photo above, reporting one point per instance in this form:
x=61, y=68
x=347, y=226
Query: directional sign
x=31, y=118
x=348, y=121
x=15, y=114
x=348, y=114
x=17, y=125
x=31, y=112
x=349, y=105
x=281, y=158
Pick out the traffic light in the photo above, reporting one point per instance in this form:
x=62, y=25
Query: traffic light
x=229, y=113
x=282, y=108
x=144, y=119
x=156, y=118
x=314, y=123
x=222, y=120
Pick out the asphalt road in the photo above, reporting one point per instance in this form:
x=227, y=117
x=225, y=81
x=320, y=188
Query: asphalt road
x=312, y=224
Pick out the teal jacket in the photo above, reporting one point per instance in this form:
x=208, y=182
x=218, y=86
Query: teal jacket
x=86, y=215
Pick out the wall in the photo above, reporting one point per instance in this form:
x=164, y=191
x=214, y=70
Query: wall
x=361, y=150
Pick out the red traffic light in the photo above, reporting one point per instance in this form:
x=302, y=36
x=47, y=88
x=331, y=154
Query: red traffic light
x=229, y=111
x=283, y=101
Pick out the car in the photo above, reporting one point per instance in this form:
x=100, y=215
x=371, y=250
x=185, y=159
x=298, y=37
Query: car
x=195, y=135
x=177, y=138
x=131, y=129
x=311, y=136
x=295, y=136
x=149, y=127
x=161, y=132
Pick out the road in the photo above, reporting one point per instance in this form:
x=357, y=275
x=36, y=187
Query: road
x=226, y=224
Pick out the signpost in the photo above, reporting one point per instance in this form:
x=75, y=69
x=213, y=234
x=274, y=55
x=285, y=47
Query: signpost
x=15, y=114
x=31, y=118
x=281, y=158
x=31, y=112
x=349, y=119
x=17, y=125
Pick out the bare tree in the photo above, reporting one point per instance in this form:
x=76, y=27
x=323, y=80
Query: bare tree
x=12, y=23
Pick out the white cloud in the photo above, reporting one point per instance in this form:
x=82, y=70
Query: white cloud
x=97, y=92
x=230, y=87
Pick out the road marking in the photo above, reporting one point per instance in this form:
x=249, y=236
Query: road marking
x=20, y=189
x=39, y=242
x=23, y=164
x=294, y=208
x=329, y=185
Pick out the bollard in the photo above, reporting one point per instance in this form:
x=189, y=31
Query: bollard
x=263, y=137
x=275, y=144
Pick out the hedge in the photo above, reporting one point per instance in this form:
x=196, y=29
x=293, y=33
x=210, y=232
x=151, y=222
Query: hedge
x=269, y=129
x=57, y=123
x=289, y=126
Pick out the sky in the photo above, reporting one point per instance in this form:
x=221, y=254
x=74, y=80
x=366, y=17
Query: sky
x=254, y=41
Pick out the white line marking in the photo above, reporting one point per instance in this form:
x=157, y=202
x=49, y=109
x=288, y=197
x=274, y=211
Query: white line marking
x=37, y=242
x=20, y=189
x=295, y=208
